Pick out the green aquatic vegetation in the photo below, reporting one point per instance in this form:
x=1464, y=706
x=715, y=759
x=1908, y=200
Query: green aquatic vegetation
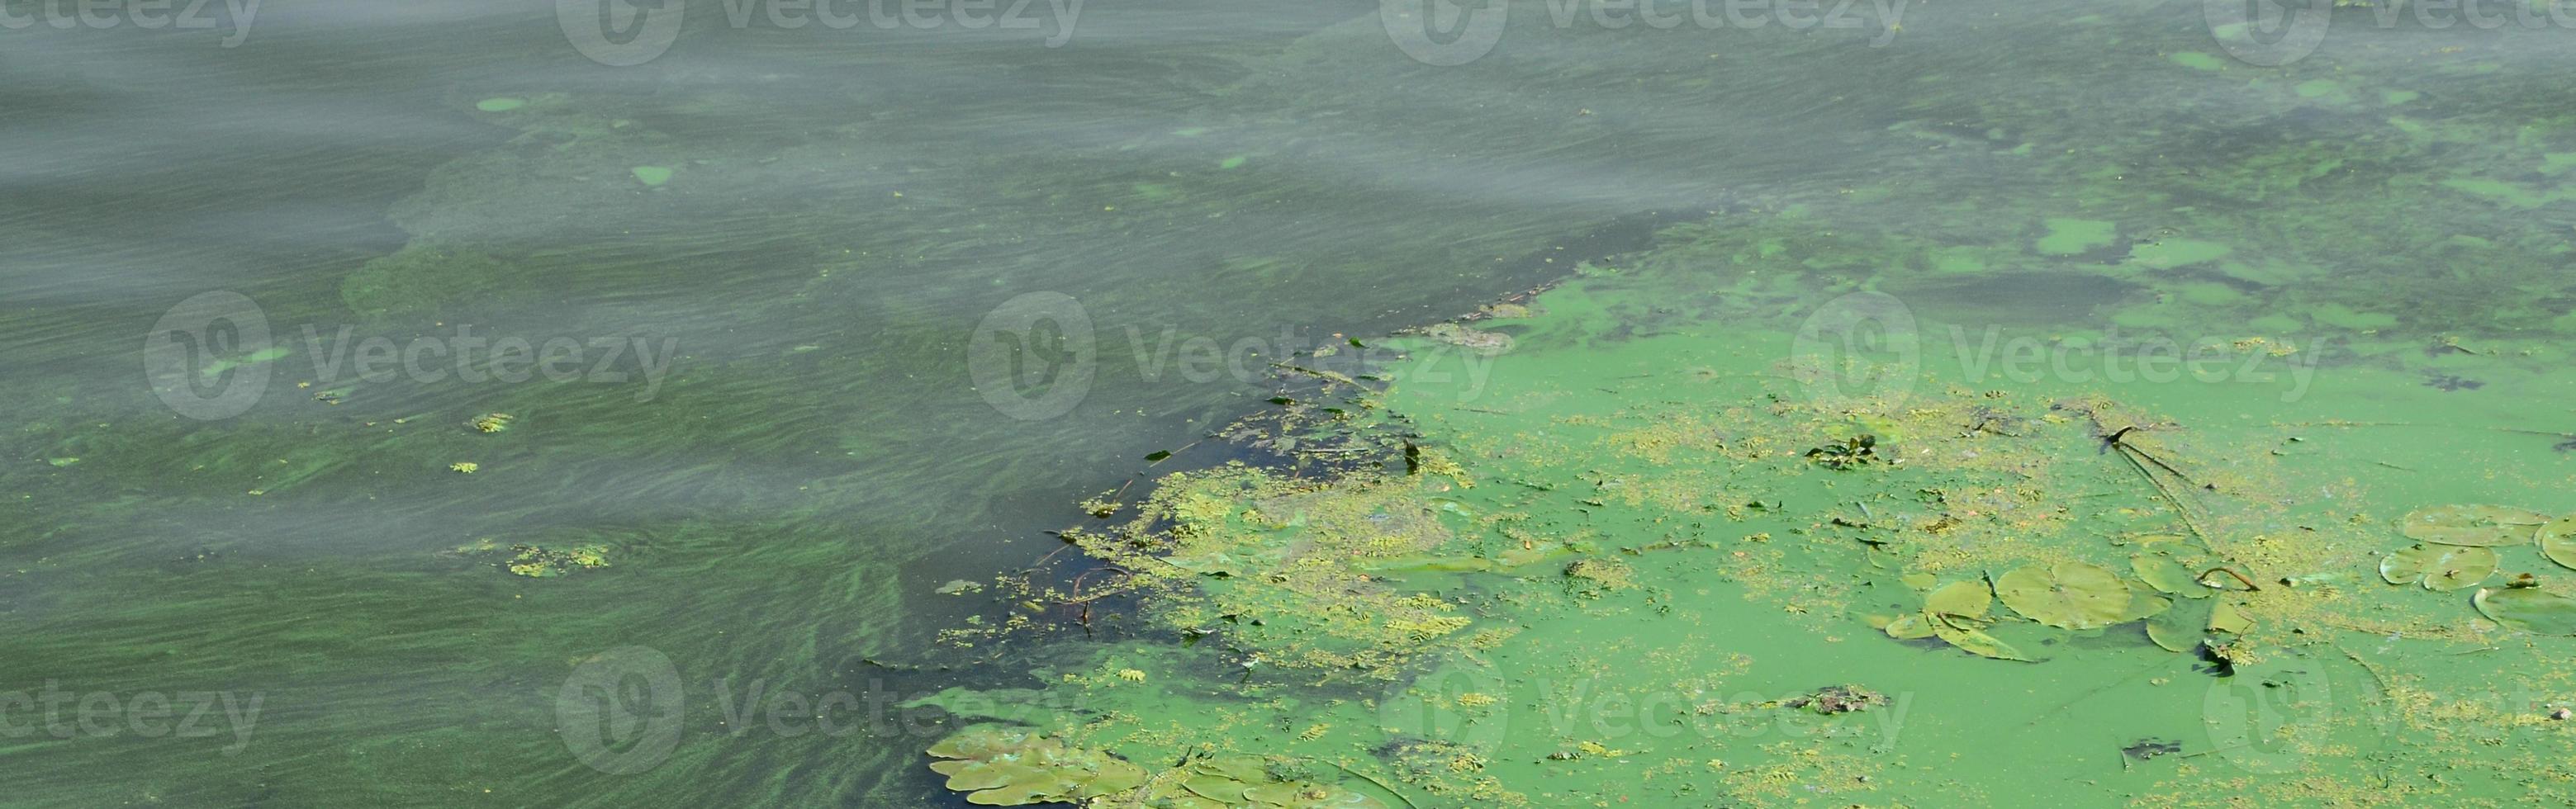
x=2473, y=525
x=1957, y=613
x=2068, y=236
x=999, y=765
x=2066, y=595
x=2558, y=541
x=2528, y=609
x=2439, y=567
x=425, y=278
x=500, y=104
x=1006, y=766
x=2167, y=576
x=540, y=562
x=652, y=176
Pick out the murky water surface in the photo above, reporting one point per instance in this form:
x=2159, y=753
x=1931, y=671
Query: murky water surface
x=1208, y=405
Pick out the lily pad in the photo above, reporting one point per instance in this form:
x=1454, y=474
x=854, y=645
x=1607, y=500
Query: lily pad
x=1008, y=766
x=2167, y=577
x=2229, y=618
x=2438, y=567
x=2473, y=525
x=2143, y=603
x=2558, y=541
x=1974, y=641
x=2528, y=609
x=1964, y=598
x=2180, y=629
x=1911, y=626
x=2067, y=595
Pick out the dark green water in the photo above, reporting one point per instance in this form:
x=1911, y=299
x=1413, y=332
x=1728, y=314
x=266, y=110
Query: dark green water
x=770, y=250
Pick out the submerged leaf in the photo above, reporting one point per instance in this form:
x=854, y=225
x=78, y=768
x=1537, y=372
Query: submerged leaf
x=2558, y=541
x=2473, y=525
x=2438, y=567
x=2528, y=609
x=2067, y=595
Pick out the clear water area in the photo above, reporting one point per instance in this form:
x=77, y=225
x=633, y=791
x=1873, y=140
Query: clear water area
x=815, y=221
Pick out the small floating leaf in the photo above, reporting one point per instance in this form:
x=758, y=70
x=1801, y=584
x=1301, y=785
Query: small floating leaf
x=2473, y=525
x=2438, y=567
x=2558, y=541
x=2528, y=609
x=652, y=175
x=1159, y=455
x=2067, y=595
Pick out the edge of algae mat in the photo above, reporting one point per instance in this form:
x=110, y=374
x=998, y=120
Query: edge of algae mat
x=1594, y=582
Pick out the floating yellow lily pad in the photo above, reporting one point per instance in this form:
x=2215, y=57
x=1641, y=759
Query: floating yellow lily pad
x=2067, y=595
x=2473, y=525
x=2438, y=567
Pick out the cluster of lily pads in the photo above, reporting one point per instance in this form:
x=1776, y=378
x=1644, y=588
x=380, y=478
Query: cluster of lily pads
x=1001, y=765
x=2072, y=595
x=2456, y=550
